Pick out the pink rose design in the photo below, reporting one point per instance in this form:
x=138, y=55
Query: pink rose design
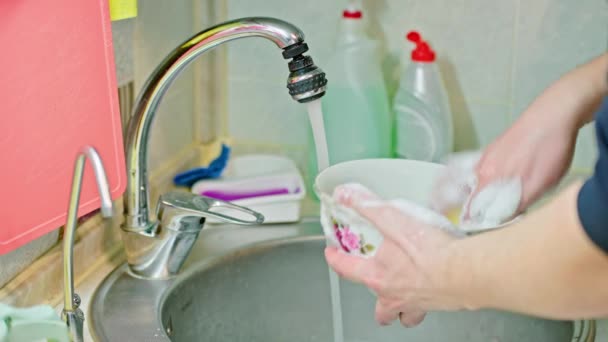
x=339, y=237
x=349, y=240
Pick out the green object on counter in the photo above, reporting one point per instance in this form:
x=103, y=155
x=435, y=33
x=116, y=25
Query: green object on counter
x=36, y=323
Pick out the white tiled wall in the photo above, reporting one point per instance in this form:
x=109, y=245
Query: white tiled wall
x=552, y=38
x=496, y=56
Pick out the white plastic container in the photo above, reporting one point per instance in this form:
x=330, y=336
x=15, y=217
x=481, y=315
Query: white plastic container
x=260, y=173
x=423, y=118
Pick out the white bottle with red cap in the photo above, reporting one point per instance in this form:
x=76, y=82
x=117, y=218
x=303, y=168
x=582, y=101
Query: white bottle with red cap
x=356, y=107
x=423, y=119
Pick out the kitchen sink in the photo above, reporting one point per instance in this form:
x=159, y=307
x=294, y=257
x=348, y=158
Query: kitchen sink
x=271, y=283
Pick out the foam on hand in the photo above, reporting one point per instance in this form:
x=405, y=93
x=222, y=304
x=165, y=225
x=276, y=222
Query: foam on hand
x=357, y=192
x=416, y=211
x=452, y=208
x=495, y=204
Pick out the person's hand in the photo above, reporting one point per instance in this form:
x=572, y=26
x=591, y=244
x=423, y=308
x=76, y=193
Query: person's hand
x=538, y=153
x=538, y=148
x=407, y=273
x=533, y=151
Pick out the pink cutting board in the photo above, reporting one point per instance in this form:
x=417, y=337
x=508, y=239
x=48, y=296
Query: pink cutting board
x=57, y=93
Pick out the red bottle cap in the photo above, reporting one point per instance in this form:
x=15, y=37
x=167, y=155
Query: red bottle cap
x=422, y=52
x=352, y=12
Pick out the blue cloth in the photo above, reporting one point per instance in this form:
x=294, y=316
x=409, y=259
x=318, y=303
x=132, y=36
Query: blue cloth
x=215, y=169
x=592, y=201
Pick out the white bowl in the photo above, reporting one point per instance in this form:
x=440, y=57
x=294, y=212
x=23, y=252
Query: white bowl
x=388, y=178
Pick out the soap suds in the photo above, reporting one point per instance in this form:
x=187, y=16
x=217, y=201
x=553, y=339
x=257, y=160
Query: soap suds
x=494, y=204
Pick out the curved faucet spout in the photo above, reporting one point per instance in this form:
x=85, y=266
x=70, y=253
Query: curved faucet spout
x=283, y=34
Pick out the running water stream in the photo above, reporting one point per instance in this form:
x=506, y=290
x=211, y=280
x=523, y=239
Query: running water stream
x=315, y=115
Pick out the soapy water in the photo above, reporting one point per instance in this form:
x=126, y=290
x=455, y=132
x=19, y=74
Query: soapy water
x=315, y=115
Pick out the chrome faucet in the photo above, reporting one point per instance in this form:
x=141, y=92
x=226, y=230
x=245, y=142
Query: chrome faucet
x=157, y=248
x=72, y=315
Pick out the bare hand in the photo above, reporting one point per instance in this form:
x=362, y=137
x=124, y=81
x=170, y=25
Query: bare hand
x=407, y=271
x=535, y=153
x=538, y=153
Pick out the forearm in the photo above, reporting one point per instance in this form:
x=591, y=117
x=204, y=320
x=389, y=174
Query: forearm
x=572, y=99
x=543, y=265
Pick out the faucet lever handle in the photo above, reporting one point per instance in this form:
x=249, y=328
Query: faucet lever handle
x=201, y=206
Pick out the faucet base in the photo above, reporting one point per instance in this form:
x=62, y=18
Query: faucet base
x=160, y=255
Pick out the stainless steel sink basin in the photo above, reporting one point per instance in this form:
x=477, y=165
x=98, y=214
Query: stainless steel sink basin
x=271, y=284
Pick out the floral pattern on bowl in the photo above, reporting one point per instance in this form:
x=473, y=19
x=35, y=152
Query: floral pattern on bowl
x=345, y=229
x=349, y=240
